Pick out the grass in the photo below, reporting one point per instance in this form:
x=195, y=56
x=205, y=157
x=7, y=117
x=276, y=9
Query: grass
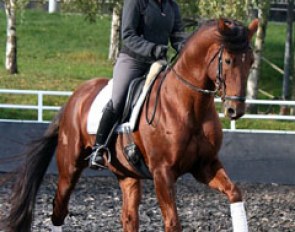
x=59, y=51
x=56, y=52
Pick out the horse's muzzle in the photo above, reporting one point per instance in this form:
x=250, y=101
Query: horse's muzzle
x=234, y=109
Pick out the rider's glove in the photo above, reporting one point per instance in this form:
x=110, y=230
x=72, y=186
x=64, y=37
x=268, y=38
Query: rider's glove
x=180, y=46
x=159, y=52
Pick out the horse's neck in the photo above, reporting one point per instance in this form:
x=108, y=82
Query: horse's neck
x=196, y=74
x=193, y=62
x=186, y=100
x=192, y=65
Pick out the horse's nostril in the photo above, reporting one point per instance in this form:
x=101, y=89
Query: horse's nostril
x=230, y=112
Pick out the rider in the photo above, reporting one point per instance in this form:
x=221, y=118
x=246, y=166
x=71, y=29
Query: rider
x=147, y=27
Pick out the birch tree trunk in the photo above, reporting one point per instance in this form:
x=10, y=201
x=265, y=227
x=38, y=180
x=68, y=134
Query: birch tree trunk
x=11, y=49
x=252, y=84
x=52, y=6
x=115, y=32
x=288, y=57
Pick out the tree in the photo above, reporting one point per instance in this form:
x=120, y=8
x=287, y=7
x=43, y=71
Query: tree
x=189, y=9
x=52, y=6
x=90, y=8
x=11, y=48
x=288, y=56
x=252, y=85
x=223, y=8
x=115, y=32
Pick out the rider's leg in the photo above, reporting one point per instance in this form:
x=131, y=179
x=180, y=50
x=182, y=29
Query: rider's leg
x=107, y=122
x=125, y=70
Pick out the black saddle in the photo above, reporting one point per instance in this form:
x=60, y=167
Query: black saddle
x=134, y=91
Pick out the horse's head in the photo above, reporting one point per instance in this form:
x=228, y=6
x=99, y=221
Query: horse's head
x=218, y=58
x=229, y=61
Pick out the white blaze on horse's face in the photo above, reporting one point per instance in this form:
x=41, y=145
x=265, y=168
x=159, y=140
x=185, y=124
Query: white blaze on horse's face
x=236, y=69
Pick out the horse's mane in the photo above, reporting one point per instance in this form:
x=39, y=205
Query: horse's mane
x=233, y=40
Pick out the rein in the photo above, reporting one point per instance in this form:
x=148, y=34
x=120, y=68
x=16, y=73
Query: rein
x=151, y=119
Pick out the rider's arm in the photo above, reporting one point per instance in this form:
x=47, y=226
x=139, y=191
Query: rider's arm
x=130, y=27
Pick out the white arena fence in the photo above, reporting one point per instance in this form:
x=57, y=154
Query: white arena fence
x=40, y=107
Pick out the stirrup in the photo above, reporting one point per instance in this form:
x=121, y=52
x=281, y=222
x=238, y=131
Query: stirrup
x=92, y=157
x=97, y=154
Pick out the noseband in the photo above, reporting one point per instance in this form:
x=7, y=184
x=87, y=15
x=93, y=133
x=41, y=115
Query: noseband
x=219, y=83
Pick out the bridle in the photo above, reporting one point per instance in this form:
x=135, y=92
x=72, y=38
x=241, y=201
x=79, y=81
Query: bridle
x=219, y=83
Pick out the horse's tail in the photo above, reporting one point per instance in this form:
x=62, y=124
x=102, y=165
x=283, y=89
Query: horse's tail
x=29, y=179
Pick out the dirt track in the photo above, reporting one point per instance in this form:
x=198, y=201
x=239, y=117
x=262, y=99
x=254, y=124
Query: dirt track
x=96, y=203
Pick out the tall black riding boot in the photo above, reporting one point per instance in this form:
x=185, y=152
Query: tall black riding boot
x=107, y=122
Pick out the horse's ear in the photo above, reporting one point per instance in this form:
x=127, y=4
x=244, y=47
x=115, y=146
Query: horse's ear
x=253, y=26
x=223, y=27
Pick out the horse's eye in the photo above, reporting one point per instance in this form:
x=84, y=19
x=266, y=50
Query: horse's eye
x=227, y=61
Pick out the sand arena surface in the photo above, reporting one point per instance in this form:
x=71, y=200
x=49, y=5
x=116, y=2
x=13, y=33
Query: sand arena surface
x=95, y=205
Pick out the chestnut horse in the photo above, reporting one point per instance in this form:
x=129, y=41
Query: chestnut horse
x=184, y=137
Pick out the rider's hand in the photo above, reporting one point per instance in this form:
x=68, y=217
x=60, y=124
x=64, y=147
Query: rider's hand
x=179, y=47
x=159, y=52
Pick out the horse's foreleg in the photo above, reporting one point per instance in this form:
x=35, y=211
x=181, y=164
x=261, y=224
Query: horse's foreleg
x=131, y=189
x=214, y=175
x=69, y=174
x=164, y=185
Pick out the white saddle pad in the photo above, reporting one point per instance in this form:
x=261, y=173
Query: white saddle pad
x=96, y=110
x=97, y=106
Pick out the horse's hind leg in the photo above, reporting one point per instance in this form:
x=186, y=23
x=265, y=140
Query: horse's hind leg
x=214, y=175
x=131, y=189
x=69, y=173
